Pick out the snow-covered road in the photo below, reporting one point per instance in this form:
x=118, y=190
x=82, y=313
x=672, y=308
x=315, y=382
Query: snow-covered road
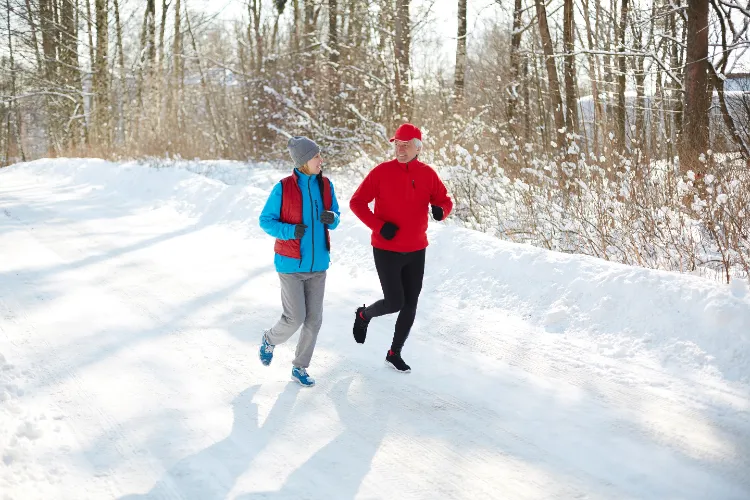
x=132, y=301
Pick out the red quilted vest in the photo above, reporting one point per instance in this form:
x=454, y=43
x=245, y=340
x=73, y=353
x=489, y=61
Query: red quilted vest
x=291, y=212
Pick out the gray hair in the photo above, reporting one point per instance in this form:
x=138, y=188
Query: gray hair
x=417, y=143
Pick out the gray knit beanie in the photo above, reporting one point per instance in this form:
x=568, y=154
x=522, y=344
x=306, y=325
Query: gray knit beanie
x=302, y=150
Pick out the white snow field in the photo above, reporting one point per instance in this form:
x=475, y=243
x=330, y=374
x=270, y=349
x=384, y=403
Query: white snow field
x=132, y=301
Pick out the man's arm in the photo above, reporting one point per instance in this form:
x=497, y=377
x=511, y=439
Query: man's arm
x=439, y=196
x=365, y=193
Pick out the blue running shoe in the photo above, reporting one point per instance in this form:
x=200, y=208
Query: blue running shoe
x=300, y=376
x=266, y=351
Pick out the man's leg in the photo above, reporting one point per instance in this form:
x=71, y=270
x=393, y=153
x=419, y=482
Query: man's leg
x=412, y=275
x=389, y=266
x=314, y=287
x=293, y=303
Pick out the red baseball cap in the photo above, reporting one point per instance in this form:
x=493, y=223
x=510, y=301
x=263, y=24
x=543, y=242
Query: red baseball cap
x=407, y=132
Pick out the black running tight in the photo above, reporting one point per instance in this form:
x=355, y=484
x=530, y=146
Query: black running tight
x=401, y=279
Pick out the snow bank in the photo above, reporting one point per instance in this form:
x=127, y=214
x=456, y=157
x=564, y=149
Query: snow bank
x=681, y=320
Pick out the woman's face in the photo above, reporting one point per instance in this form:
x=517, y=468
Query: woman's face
x=313, y=166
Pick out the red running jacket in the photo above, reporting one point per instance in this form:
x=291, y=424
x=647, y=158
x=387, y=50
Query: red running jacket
x=403, y=193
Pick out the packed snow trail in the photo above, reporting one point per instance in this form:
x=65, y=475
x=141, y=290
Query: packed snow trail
x=132, y=301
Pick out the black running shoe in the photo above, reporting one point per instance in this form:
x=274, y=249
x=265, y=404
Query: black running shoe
x=394, y=360
x=360, y=325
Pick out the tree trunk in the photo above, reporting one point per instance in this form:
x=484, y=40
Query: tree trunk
x=49, y=49
x=101, y=76
x=571, y=94
x=333, y=59
x=554, y=82
x=402, y=45
x=56, y=27
x=275, y=34
x=622, y=77
x=694, y=136
x=152, y=32
x=255, y=11
x=460, y=69
x=162, y=27
x=124, y=90
x=34, y=40
x=90, y=25
x=677, y=95
x=147, y=56
x=598, y=112
x=46, y=24
x=515, y=68
x=295, y=27
x=640, y=101
x=70, y=71
x=175, y=78
x=526, y=101
x=12, y=106
x=661, y=117
x=309, y=39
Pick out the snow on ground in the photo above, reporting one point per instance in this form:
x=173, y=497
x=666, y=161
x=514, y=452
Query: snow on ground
x=132, y=300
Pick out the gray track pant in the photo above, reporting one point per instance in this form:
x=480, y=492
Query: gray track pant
x=302, y=302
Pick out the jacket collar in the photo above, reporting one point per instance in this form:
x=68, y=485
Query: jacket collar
x=405, y=166
x=301, y=176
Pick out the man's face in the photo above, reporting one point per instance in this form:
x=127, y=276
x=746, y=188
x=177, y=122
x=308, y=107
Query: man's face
x=405, y=150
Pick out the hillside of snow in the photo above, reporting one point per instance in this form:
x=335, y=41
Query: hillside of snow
x=132, y=301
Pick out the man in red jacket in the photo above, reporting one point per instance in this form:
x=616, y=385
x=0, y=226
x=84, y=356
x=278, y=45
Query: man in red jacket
x=403, y=190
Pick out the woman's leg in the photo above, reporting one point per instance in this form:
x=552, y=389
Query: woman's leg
x=293, y=303
x=314, y=291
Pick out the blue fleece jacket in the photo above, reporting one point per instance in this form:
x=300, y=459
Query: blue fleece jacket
x=315, y=255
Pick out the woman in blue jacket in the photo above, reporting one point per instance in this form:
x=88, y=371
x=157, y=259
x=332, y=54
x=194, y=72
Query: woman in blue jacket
x=300, y=211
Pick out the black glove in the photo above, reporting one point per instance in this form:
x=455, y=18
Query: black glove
x=437, y=213
x=388, y=231
x=327, y=217
x=299, y=231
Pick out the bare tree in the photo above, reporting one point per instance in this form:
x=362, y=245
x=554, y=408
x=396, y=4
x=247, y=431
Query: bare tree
x=460, y=69
x=402, y=44
x=124, y=91
x=70, y=76
x=594, y=75
x=695, y=127
x=622, y=75
x=102, y=122
x=554, y=81
x=571, y=85
x=333, y=58
x=34, y=39
x=49, y=50
x=256, y=37
x=516, y=59
x=12, y=126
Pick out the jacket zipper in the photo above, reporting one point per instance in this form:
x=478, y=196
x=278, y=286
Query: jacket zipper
x=408, y=173
x=312, y=224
